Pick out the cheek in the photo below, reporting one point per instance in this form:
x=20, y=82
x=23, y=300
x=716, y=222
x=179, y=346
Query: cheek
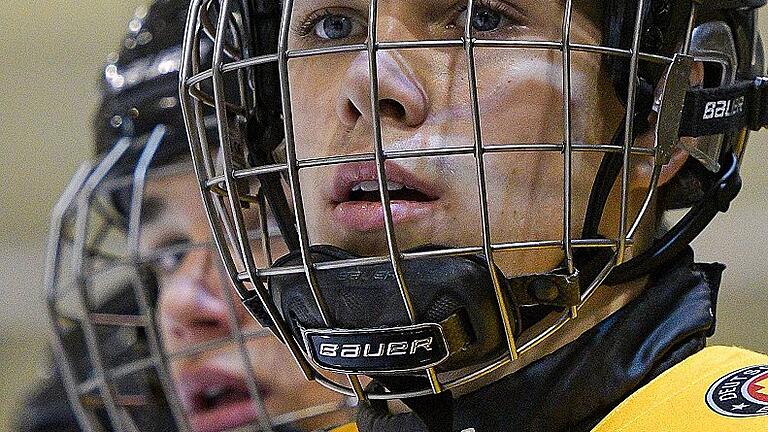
x=316, y=85
x=521, y=98
x=270, y=354
x=523, y=186
x=314, y=185
x=525, y=192
x=164, y=322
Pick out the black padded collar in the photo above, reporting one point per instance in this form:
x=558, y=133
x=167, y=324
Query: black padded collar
x=576, y=386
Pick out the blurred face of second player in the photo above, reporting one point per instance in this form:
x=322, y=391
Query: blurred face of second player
x=197, y=314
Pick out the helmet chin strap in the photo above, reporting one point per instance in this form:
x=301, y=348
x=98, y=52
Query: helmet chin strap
x=432, y=413
x=374, y=416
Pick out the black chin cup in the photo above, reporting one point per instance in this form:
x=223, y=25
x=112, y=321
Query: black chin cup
x=457, y=323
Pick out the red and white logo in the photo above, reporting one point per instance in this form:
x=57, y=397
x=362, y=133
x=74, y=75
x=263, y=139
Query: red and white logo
x=756, y=389
x=742, y=393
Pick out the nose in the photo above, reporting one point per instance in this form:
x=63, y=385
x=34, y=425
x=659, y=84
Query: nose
x=193, y=304
x=402, y=98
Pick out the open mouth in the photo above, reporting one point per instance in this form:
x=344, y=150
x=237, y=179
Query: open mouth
x=368, y=190
x=215, y=401
x=216, y=397
x=357, y=198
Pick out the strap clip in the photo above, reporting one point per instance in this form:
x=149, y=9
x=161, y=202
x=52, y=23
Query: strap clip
x=670, y=107
x=557, y=288
x=758, y=112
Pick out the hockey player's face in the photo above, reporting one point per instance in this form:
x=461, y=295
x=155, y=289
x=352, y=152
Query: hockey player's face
x=425, y=103
x=197, y=308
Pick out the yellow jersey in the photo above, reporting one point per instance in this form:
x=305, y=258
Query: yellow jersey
x=719, y=389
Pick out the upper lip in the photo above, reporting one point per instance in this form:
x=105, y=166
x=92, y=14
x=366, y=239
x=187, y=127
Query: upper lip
x=348, y=175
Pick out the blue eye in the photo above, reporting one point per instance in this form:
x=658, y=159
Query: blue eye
x=169, y=263
x=174, y=249
x=334, y=27
x=490, y=17
x=337, y=26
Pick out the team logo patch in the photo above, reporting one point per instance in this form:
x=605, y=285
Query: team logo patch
x=743, y=393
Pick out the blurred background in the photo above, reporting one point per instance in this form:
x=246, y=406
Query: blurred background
x=51, y=56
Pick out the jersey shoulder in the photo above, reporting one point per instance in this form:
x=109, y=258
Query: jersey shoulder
x=349, y=427
x=717, y=389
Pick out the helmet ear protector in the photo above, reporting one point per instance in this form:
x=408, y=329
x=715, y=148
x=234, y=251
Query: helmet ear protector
x=460, y=316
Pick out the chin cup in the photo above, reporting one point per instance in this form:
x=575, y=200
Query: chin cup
x=369, y=332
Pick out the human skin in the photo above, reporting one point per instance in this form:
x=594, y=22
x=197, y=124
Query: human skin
x=193, y=309
x=425, y=103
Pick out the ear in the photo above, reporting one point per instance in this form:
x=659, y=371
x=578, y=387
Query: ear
x=676, y=162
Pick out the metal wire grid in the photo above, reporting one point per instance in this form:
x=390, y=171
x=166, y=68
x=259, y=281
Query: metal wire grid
x=75, y=234
x=221, y=187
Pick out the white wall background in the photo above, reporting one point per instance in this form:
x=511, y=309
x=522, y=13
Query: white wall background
x=50, y=56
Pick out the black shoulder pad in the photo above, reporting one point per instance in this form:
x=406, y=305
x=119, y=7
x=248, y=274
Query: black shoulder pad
x=731, y=4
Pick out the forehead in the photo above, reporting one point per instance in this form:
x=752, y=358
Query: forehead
x=172, y=193
x=170, y=185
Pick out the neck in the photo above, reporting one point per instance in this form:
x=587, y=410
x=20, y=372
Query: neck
x=604, y=302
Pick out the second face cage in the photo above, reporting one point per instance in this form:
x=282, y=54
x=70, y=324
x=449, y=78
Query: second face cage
x=102, y=300
x=230, y=184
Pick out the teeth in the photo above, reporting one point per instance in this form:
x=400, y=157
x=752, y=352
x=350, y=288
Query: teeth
x=214, y=392
x=373, y=186
x=369, y=186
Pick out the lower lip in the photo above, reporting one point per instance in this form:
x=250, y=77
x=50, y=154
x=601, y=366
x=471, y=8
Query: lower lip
x=369, y=215
x=230, y=416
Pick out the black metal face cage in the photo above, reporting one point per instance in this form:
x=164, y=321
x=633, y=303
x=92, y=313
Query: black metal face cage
x=245, y=174
x=101, y=295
